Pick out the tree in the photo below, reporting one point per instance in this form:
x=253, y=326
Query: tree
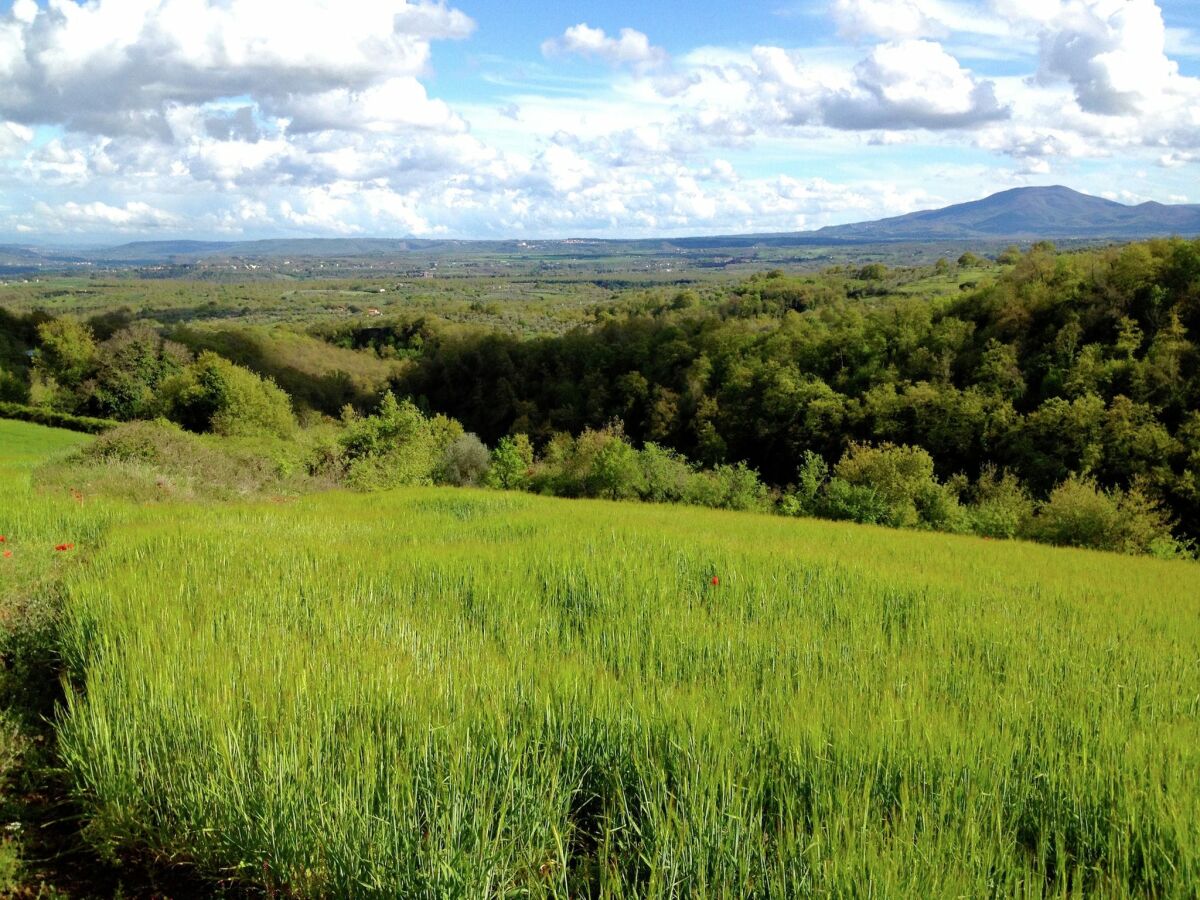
x=464, y=461
x=511, y=462
x=66, y=352
x=213, y=394
x=395, y=446
x=615, y=473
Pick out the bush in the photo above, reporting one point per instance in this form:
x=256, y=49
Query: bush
x=464, y=462
x=903, y=479
x=1080, y=514
x=55, y=419
x=598, y=463
x=396, y=446
x=853, y=503
x=213, y=394
x=14, y=387
x=149, y=461
x=665, y=474
x=805, y=497
x=1001, y=506
x=511, y=463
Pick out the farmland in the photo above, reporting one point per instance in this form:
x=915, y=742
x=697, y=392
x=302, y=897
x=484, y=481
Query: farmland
x=446, y=692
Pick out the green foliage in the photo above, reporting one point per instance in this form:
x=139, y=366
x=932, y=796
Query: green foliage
x=511, y=463
x=1010, y=256
x=54, y=419
x=1001, y=506
x=66, y=351
x=129, y=369
x=159, y=461
x=14, y=386
x=395, y=446
x=213, y=394
x=464, y=462
x=903, y=480
x=1079, y=514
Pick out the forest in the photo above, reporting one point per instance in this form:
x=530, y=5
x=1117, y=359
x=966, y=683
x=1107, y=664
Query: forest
x=1044, y=394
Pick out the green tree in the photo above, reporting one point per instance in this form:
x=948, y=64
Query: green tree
x=66, y=351
x=213, y=394
x=511, y=463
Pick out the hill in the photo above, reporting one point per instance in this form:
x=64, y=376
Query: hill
x=445, y=690
x=1031, y=213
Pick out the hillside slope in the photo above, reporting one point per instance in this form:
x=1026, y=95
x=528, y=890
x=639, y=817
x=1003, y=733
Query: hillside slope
x=1033, y=212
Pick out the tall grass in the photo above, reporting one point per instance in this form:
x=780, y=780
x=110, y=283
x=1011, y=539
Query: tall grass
x=468, y=694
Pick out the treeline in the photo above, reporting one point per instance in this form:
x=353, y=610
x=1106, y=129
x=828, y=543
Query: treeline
x=1069, y=366
x=1060, y=401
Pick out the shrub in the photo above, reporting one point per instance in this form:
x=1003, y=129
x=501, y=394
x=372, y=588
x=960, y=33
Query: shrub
x=614, y=471
x=903, y=478
x=1001, y=506
x=740, y=488
x=395, y=446
x=598, y=463
x=510, y=464
x=853, y=502
x=464, y=461
x=148, y=461
x=665, y=474
x=213, y=394
x=14, y=387
x=811, y=478
x=41, y=416
x=1080, y=514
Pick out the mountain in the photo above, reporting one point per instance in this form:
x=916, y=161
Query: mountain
x=1028, y=213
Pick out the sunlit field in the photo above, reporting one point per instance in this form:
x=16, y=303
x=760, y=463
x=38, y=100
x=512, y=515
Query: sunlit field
x=439, y=692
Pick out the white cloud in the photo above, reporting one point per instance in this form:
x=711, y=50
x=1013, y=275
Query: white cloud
x=118, y=65
x=228, y=117
x=1112, y=52
x=98, y=216
x=882, y=18
x=393, y=105
x=913, y=84
x=631, y=47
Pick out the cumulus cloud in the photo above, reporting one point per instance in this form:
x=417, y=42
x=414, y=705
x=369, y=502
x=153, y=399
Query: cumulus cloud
x=389, y=106
x=226, y=117
x=1112, y=52
x=112, y=65
x=912, y=84
x=85, y=217
x=630, y=47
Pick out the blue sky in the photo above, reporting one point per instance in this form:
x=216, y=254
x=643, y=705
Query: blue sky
x=124, y=119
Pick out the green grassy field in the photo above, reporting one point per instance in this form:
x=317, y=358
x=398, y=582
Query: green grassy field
x=439, y=692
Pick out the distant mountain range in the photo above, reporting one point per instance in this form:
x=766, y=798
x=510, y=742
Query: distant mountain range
x=1021, y=214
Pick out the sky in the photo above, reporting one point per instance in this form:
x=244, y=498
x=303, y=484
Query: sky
x=244, y=119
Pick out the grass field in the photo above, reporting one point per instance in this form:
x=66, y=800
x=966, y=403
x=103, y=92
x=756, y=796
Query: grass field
x=449, y=693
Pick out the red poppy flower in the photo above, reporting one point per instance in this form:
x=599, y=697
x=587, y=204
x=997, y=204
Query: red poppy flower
x=3, y=539
x=7, y=554
x=715, y=581
x=61, y=547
